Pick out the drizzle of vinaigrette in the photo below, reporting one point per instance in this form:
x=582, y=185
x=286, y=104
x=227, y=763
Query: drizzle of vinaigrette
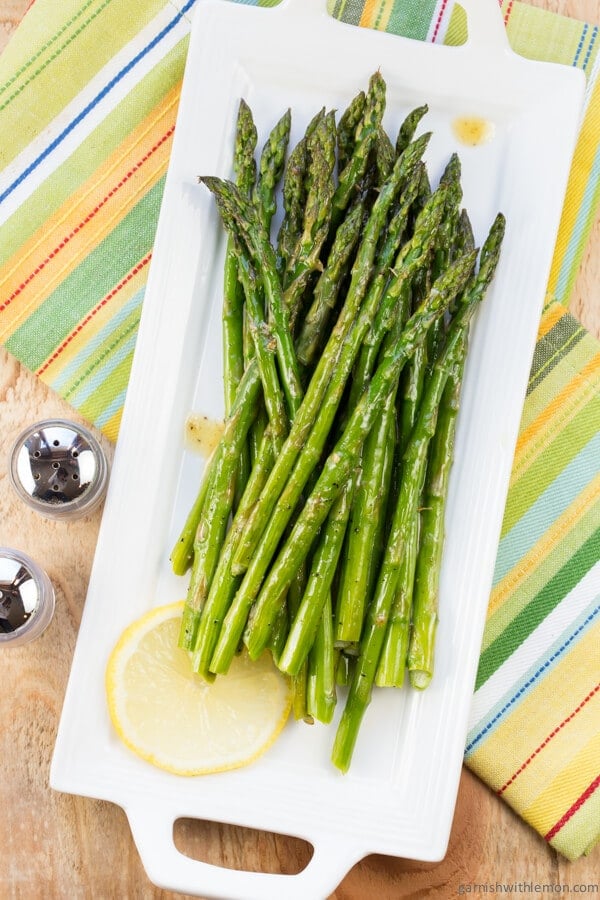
x=202, y=434
x=473, y=130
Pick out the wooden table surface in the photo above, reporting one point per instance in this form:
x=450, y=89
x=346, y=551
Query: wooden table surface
x=59, y=846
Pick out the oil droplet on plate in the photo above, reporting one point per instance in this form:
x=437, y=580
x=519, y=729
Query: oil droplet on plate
x=202, y=434
x=473, y=130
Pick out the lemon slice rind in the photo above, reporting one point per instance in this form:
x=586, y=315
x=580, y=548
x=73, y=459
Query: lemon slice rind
x=173, y=719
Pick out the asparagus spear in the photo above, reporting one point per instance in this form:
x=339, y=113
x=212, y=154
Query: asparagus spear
x=305, y=259
x=443, y=251
x=217, y=504
x=294, y=198
x=408, y=128
x=263, y=341
x=279, y=633
x=182, y=554
x=366, y=136
x=348, y=324
x=346, y=131
x=304, y=627
x=270, y=170
x=232, y=329
x=313, y=332
x=322, y=400
x=224, y=583
x=393, y=655
x=414, y=464
x=414, y=251
x=299, y=681
x=244, y=167
x=338, y=466
x=392, y=663
x=366, y=517
x=422, y=640
x=319, y=384
x=262, y=189
x=385, y=155
x=361, y=555
x=321, y=694
x=238, y=213
x=239, y=221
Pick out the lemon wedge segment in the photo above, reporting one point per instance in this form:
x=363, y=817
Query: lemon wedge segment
x=172, y=718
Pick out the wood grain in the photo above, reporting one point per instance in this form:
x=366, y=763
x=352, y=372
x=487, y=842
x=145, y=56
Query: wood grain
x=58, y=846
x=11, y=13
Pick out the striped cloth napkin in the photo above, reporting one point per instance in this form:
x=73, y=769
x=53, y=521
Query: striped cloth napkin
x=88, y=99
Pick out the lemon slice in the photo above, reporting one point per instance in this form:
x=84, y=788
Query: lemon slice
x=172, y=718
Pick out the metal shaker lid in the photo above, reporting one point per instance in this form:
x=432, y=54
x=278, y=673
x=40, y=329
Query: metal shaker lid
x=59, y=469
x=26, y=598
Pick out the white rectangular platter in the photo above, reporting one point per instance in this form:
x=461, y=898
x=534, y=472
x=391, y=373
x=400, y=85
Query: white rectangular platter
x=400, y=793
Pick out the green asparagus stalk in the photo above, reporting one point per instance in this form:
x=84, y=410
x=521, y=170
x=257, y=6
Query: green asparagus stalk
x=418, y=653
x=236, y=212
x=321, y=693
x=271, y=169
x=350, y=323
x=392, y=664
x=465, y=239
x=346, y=131
x=445, y=243
x=279, y=633
x=408, y=128
x=313, y=332
x=385, y=155
x=305, y=260
x=413, y=252
x=366, y=137
x=391, y=667
x=414, y=465
x=336, y=469
x=299, y=681
x=294, y=198
x=367, y=515
x=451, y=177
x=361, y=555
x=263, y=341
x=244, y=166
x=299, y=690
x=304, y=627
x=225, y=580
x=321, y=402
x=244, y=163
x=217, y=505
x=428, y=564
x=224, y=583
x=182, y=554
x=232, y=329
x=423, y=194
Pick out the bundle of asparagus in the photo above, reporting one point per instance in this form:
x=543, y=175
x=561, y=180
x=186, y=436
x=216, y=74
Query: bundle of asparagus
x=319, y=523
